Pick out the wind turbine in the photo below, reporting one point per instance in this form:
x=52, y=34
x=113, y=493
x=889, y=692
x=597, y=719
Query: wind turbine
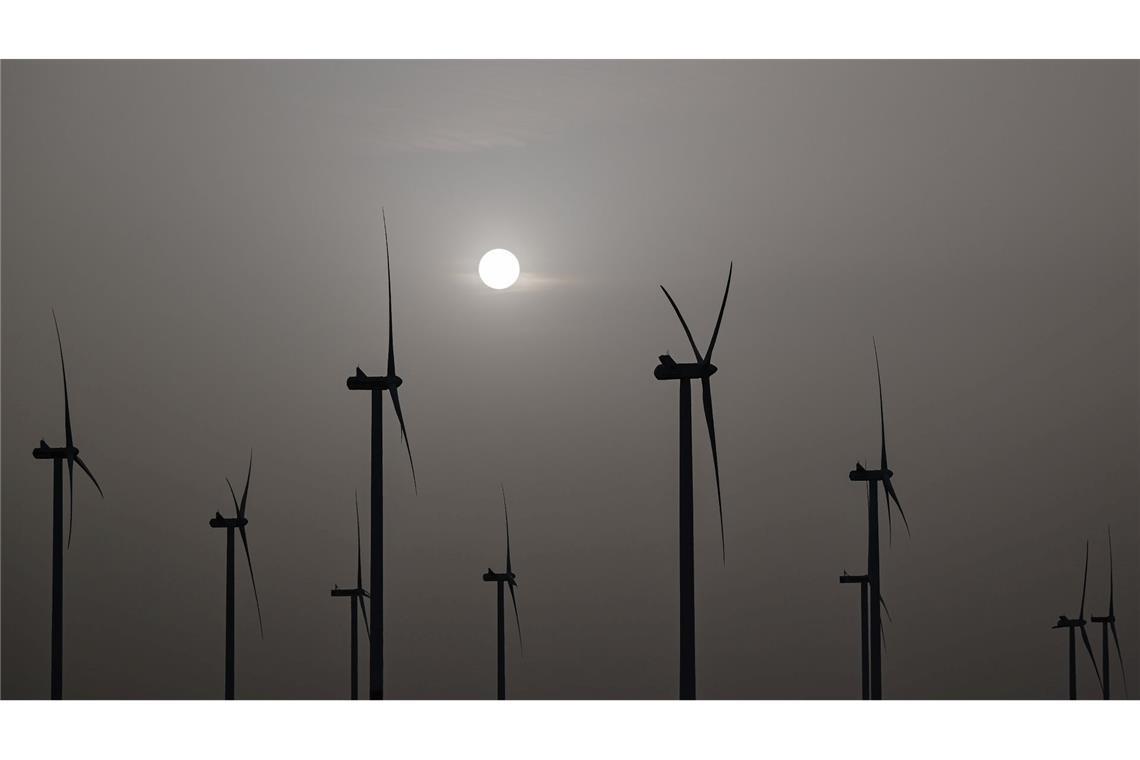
x=376, y=385
x=58, y=455
x=702, y=370
x=1072, y=625
x=356, y=598
x=507, y=578
x=1109, y=622
x=230, y=523
x=873, y=478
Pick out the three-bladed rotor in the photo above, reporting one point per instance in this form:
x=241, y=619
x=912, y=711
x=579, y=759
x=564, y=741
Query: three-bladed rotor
x=509, y=576
x=240, y=522
x=1080, y=622
x=701, y=370
x=1110, y=618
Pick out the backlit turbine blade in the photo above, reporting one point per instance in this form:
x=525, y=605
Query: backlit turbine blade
x=706, y=398
x=890, y=489
x=359, y=575
x=1085, y=583
x=388, y=260
x=233, y=496
x=404, y=434
x=245, y=543
x=507, y=523
x=70, y=496
x=360, y=600
x=515, y=602
x=83, y=466
x=882, y=421
x=890, y=528
x=716, y=330
x=70, y=442
x=884, y=605
x=1092, y=657
x=245, y=493
x=684, y=324
x=1119, y=657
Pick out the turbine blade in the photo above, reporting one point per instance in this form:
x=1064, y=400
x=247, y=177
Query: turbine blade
x=716, y=330
x=706, y=398
x=890, y=489
x=245, y=543
x=1092, y=657
x=70, y=496
x=684, y=324
x=1084, y=584
x=404, y=434
x=1119, y=657
x=507, y=523
x=66, y=401
x=359, y=575
x=360, y=600
x=83, y=466
x=884, y=605
x=388, y=261
x=515, y=602
x=882, y=420
x=233, y=495
x=245, y=493
x=890, y=528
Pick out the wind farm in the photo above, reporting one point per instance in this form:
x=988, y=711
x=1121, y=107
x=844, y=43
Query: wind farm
x=223, y=266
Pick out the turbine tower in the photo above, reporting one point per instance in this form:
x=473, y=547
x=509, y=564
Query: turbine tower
x=230, y=524
x=356, y=598
x=873, y=478
x=1073, y=625
x=376, y=385
x=1107, y=623
x=500, y=579
x=702, y=370
x=57, y=456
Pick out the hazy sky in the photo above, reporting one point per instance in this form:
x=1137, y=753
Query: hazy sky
x=209, y=235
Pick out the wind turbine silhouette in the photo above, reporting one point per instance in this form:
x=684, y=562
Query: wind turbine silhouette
x=57, y=456
x=702, y=370
x=356, y=597
x=1072, y=625
x=230, y=523
x=873, y=478
x=1109, y=622
x=376, y=385
x=507, y=578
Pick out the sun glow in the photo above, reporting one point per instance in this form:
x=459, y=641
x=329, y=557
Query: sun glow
x=499, y=269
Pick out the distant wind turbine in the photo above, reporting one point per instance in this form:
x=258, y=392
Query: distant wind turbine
x=356, y=597
x=1108, y=622
x=376, y=385
x=230, y=523
x=864, y=637
x=57, y=455
x=873, y=478
x=500, y=579
x=1072, y=625
x=702, y=370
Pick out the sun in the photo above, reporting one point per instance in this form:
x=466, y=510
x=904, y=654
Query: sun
x=499, y=269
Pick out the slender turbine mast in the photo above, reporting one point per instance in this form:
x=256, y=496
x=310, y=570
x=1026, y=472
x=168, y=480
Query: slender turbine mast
x=702, y=370
x=1107, y=623
x=873, y=478
x=1073, y=625
x=507, y=578
x=376, y=385
x=356, y=599
x=57, y=456
x=230, y=524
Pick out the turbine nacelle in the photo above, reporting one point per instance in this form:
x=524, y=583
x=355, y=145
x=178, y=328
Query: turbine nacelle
x=861, y=473
x=363, y=382
x=1065, y=622
x=845, y=578
x=217, y=521
x=348, y=592
x=492, y=577
x=1106, y=619
x=671, y=370
x=43, y=451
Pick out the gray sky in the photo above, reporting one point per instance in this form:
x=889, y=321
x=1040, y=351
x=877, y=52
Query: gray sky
x=209, y=236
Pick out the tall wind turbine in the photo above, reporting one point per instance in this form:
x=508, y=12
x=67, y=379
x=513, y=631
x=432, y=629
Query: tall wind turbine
x=356, y=598
x=1072, y=625
x=58, y=455
x=507, y=578
x=702, y=369
x=376, y=385
x=873, y=478
x=1108, y=622
x=230, y=523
